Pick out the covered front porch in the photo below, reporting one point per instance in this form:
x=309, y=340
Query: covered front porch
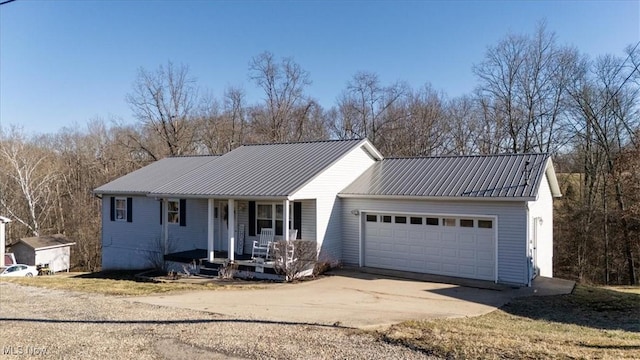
x=198, y=260
x=204, y=236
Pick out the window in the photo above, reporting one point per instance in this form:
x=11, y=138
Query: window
x=121, y=209
x=386, y=218
x=173, y=211
x=372, y=218
x=449, y=222
x=485, y=224
x=271, y=216
x=415, y=220
x=466, y=222
x=401, y=219
x=433, y=221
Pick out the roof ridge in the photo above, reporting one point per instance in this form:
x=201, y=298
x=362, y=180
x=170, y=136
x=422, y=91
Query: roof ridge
x=186, y=156
x=304, y=142
x=463, y=156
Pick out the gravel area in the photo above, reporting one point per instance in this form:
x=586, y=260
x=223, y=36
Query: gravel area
x=44, y=323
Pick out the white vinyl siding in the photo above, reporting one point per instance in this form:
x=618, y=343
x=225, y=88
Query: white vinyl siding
x=130, y=245
x=324, y=188
x=511, y=226
x=308, y=219
x=242, y=211
x=543, y=208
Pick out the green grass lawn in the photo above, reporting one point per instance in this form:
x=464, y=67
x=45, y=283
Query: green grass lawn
x=591, y=322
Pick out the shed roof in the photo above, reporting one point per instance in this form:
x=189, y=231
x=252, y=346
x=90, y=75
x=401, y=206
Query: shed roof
x=265, y=170
x=507, y=176
x=47, y=241
x=146, y=179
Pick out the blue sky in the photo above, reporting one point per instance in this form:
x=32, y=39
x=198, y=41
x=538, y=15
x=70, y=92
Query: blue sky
x=63, y=63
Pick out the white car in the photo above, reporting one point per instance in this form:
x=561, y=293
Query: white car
x=19, y=270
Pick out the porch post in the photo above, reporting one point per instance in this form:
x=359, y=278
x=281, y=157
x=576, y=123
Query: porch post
x=231, y=229
x=3, y=221
x=285, y=220
x=165, y=226
x=210, y=228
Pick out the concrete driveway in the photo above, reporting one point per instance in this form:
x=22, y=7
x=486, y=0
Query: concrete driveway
x=349, y=299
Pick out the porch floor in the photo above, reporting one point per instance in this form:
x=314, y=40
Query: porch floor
x=202, y=254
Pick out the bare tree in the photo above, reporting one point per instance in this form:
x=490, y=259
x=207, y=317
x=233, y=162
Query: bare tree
x=363, y=108
x=285, y=108
x=28, y=170
x=464, y=125
x=163, y=102
x=224, y=126
x=525, y=80
x=607, y=103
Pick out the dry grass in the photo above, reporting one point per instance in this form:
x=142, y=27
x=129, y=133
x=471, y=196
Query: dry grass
x=111, y=283
x=590, y=323
x=626, y=289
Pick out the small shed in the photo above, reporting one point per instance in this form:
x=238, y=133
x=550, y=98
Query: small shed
x=54, y=250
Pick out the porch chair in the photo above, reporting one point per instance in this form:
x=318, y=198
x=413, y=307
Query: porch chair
x=262, y=247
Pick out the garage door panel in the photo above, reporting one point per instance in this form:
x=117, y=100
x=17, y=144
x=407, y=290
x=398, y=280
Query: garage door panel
x=432, y=267
x=485, y=272
x=467, y=254
x=417, y=250
x=449, y=252
x=485, y=256
x=432, y=237
x=467, y=240
x=467, y=270
x=445, y=250
x=385, y=233
x=449, y=237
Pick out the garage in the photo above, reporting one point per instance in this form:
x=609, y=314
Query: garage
x=450, y=245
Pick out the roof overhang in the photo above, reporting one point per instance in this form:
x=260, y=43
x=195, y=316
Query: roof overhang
x=120, y=192
x=434, y=198
x=552, y=179
x=220, y=197
x=51, y=247
x=371, y=149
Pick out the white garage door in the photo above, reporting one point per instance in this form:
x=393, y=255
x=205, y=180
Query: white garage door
x=444, y=245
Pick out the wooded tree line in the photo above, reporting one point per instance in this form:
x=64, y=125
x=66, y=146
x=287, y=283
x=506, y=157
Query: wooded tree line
x=532, y=95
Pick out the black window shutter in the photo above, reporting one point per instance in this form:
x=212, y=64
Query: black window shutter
x=160, y=211
x=183, y=212
x=252, y=218
x=112, y=214
x=129, y=209
x=297, y=218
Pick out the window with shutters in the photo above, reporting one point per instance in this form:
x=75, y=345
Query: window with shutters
x=121, y=209
x=173, y=211
x=270, y=215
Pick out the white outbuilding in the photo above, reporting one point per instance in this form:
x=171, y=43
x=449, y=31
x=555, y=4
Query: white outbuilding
x=51, y=250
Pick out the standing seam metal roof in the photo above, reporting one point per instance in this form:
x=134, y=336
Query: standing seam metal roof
x=478, y=176
x=267, y=170
x=156, y=174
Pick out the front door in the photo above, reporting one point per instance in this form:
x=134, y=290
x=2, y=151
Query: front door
x=222, y=241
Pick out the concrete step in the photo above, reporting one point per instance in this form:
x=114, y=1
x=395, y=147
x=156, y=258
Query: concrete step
x=208, y=271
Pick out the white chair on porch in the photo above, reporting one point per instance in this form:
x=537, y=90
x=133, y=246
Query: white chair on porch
x=262, y=247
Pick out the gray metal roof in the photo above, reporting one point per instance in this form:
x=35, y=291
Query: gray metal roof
x=148, y=178
x=39, y=242
x=485, y=176
x=266, y=170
